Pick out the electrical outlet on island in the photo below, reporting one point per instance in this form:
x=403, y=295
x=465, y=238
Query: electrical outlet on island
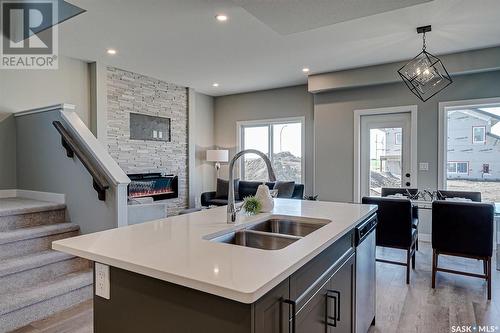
x=102, y=280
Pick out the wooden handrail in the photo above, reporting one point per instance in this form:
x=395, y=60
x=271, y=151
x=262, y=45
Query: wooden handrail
x=72, y=147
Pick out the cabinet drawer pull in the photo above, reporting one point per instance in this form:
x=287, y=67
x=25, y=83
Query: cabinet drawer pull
x=335, y=296
x=293, y=304
x=327, y=312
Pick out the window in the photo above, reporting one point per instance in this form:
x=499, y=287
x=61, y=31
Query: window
x=399, y=138
x=452, y=167
x=469, y=153
x=461, y=168
x=281, y=140
x=486, y=168
x=479, y=134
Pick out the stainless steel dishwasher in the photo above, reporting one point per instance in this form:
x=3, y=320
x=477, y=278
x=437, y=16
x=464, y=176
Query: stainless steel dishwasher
x=365, y=274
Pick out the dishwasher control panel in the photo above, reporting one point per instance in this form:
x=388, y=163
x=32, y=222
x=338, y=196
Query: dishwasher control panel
x=365, y=228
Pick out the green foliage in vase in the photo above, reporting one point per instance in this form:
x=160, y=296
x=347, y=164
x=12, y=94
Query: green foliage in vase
x=252, y=205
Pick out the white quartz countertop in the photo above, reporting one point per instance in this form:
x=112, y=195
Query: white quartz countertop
x=175, y=249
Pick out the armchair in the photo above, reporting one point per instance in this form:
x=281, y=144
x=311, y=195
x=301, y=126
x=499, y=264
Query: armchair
x=463, y=229
x=395, y=228
x=387, y=191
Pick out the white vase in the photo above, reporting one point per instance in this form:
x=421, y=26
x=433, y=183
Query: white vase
x=264, y=196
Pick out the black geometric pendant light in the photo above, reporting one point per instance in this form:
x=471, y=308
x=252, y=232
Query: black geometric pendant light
x=425, y=75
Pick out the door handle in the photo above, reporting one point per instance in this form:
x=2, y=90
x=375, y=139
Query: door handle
x=293, y=305
x=336, y=307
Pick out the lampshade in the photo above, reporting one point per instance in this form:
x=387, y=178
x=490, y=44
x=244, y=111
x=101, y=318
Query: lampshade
x=219, y=155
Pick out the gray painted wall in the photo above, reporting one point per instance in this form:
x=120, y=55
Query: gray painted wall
x=269, y=104
x=7, y=151
x=468, y=62
x=28, y=89
x=334, y=128
x=42, y=165
x=204, y=173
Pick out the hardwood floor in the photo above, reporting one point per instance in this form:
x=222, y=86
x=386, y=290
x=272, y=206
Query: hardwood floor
x=78, y=319
x=457, y=300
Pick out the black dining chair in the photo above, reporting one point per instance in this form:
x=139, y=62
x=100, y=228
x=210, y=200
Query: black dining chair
x=473, y=196
x=462, y=229
x=409, y=193
x=395, y=228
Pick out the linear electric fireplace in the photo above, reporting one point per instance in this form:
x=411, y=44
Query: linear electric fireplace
x=153, y=185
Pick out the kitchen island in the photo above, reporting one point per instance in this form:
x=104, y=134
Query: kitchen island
x=188, y=274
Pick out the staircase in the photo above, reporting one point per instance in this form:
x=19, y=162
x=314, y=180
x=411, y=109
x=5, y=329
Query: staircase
x=36, y=281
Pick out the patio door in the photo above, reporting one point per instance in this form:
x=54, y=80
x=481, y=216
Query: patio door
x=385, y=152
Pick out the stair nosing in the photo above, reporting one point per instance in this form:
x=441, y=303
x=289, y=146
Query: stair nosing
x=22, y=234
x=81, y=279
x=31, y=261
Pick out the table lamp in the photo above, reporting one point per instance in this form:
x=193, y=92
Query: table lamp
x=218, y=156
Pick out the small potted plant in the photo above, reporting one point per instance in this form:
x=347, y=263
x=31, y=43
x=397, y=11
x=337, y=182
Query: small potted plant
x=252, y=205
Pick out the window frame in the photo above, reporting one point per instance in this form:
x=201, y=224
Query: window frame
x=444, y=108
x=482, y=142
x=456, y=172
x=486, y=166
x=240, y=125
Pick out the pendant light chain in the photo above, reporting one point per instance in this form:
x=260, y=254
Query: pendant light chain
x=424, y=46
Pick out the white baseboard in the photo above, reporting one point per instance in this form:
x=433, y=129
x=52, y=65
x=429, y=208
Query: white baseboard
x=35, y=195
x=8, y=194
x=42, y=196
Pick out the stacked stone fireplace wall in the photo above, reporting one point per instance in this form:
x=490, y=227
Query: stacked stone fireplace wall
x=130, y=92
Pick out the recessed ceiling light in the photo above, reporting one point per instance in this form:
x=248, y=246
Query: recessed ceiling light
x=221, y=17
x=305, y=70
x=215, y=84
x=111, y=51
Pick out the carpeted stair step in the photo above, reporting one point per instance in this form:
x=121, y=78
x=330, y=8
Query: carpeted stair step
x=18, y=213
x=19, y=273
x=24, y=241
x=23, y=307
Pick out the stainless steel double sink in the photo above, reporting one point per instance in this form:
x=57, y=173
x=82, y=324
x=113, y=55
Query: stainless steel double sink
x=272, y=234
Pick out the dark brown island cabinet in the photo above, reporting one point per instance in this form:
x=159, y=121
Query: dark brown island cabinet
x=318, y=297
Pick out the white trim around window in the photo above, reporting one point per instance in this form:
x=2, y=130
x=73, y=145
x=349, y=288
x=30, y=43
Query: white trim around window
x=483, y=135
x=457, y=170
x=267, y=122
x=443, y=129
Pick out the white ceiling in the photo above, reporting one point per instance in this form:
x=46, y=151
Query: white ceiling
x=179, y=41
x=292, y=16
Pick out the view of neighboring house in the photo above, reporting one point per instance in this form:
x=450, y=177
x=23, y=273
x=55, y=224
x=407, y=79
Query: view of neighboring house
x=391, y=157
x=385, y=158
x=473, y=145
x=473, y=151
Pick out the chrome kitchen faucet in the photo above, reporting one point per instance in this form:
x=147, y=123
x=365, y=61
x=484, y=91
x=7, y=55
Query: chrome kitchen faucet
x=231, y=205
